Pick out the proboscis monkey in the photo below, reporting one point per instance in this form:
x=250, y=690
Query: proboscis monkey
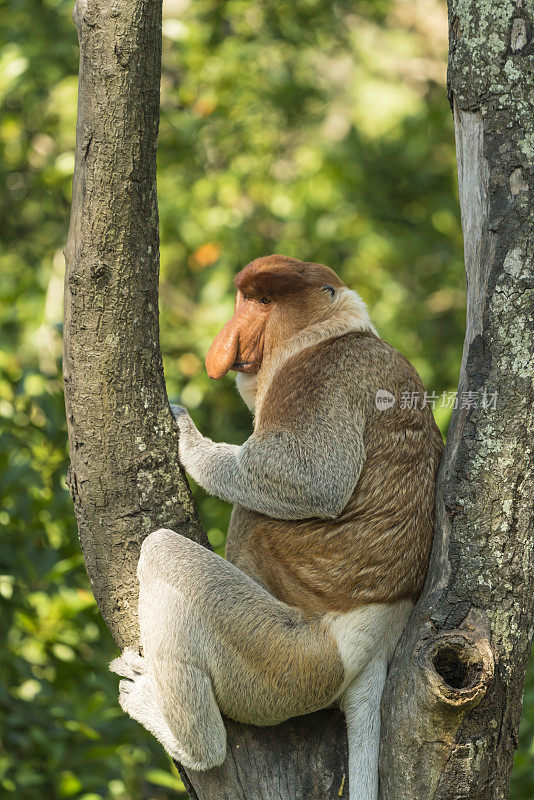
x=329, y=539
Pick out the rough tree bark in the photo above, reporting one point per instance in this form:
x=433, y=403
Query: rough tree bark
x=453, y=697
x=452, y=704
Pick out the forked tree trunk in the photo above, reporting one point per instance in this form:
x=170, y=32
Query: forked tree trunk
x=453, y=697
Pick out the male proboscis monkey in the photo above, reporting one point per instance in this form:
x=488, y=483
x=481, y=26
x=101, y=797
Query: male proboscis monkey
x=329, y=538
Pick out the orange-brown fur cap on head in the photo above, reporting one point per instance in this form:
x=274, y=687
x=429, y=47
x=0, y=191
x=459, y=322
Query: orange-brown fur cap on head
x=280, y=275
x=276, y=297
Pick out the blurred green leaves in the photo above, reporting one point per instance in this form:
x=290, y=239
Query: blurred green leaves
x=316, y=129
x=62, y=733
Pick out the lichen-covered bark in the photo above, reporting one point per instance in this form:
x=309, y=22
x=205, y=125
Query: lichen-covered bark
x=452, y=704
x=125, y=478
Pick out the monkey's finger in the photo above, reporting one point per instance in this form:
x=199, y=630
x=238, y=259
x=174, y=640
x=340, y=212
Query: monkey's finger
x=177, y=411
x=119, y=667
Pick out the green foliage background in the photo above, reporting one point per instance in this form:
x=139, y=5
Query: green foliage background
x=320, y=130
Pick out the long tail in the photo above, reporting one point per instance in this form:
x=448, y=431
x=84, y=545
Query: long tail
x=361, y=704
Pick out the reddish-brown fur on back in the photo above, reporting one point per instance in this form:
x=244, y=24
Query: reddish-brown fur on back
x=377, y=550
x=280, y=275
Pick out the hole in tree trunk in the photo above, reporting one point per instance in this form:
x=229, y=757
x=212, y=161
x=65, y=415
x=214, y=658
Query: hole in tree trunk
x=456, y=666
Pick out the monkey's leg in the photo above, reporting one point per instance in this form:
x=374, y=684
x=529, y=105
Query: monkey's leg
x=138, y=699
x=214, y=639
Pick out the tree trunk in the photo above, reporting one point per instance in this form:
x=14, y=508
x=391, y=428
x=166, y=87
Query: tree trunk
x=125, y=478
x=453, y=697
x=452, y=703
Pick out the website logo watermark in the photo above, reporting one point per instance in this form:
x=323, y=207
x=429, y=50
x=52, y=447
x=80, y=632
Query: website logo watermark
x=384, y=399
x=448, y=400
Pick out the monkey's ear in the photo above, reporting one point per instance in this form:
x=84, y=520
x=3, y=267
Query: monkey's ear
x=328, y=288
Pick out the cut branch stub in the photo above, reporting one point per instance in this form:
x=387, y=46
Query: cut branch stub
x=458, y=670
x=451, y=673
x=304, y=758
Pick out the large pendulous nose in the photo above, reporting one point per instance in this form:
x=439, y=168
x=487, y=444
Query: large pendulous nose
x=223, y=352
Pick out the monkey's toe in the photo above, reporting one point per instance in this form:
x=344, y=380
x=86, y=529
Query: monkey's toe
x=125, y=686
x=129, y=665
x=136, y=696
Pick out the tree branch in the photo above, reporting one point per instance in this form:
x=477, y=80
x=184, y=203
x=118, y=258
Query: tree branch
x=452, y=703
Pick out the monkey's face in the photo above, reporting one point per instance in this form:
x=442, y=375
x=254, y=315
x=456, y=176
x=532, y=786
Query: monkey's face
x=276, y=298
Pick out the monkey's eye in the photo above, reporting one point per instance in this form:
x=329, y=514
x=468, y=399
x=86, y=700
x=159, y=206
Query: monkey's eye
x=265, y=300
x=329, y=289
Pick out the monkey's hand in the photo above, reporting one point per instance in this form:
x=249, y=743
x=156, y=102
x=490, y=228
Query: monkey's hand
x=178, y=411
x=189, y=434
x=194, y=449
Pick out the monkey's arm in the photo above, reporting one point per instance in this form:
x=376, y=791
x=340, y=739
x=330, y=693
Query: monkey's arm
x=285, y=474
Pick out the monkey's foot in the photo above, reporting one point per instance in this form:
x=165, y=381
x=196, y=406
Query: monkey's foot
x=138, y=699
x=129, y=665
